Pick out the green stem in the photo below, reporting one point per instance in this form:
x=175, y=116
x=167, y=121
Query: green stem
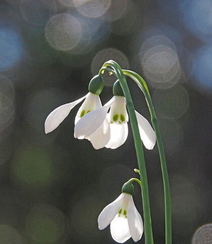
x=134, y=179
x=167, y=196
x=139, y=150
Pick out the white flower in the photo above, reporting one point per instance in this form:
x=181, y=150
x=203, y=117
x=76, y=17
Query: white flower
x=92, y=102
x=124, y=219
x=117, y=119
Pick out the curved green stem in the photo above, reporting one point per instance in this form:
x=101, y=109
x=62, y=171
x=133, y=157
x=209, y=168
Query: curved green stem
x=138, y=147
x=167, y=196
x=134, y=179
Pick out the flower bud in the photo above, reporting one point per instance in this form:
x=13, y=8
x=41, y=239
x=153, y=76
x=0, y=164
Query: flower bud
x=117, y=90
x=96, y=85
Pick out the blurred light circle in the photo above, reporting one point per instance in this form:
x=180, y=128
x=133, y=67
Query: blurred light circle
x=117, y=9
x=37, y=12
x=45, y=224
x=33, y=167
x=93, y=32
x=160, y=65
x=155, y=38
x=106, y=55
x=197, y=17
x=11, y=47
x=63, y=32
x=203, y=235
x=92, y=8
x=171, y=103
x=201, y=68
x=9, y=235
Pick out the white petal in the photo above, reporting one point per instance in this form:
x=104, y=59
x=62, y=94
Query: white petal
x=135, y=222
x=90, y=122
x=101, y=136
x=59, y=114
x=119, y=229
x=109, y=212
x=91, y=103
x=118, y=135
x=146, y=132
x=119, y=108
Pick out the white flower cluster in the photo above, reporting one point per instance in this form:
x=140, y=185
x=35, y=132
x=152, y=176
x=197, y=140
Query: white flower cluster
x=104, y=126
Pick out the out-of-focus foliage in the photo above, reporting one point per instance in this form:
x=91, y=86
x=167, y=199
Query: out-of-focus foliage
x=52, y=187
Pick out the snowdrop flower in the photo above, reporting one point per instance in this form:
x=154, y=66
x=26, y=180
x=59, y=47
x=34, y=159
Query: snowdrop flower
x=91, y=102
x=117, y=119
x=123, y=217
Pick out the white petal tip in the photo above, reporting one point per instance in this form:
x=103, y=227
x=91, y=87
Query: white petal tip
x=151, y=147
x=100, y=228
x=47, y=131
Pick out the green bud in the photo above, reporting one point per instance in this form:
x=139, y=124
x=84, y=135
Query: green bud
x=128, y=188
x=117, y=90
x=96, y=85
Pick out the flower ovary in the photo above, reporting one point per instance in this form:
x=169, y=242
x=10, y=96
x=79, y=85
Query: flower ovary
x=96, y=85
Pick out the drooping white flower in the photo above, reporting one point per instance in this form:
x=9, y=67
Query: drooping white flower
x=56, y=117
x=117, y=119
x=124, y=219
x=92, y=102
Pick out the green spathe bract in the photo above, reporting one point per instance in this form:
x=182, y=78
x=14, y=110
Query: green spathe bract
x=117, y=90
x=128, y=188
x=96, y=85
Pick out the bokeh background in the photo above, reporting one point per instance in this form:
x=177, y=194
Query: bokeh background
x=52, y=187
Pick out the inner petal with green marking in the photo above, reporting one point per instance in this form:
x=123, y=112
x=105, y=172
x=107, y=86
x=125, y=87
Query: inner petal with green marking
x=122, y=213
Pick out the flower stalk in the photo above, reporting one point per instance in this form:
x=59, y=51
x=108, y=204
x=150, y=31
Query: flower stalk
x=138, y=147
x=167, y=195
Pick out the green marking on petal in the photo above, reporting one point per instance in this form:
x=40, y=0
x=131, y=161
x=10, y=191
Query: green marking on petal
x=122, y=117
x=115, y=117
x=88, y=111
x=120, y=211
x=125, y=212
x=82, y=113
